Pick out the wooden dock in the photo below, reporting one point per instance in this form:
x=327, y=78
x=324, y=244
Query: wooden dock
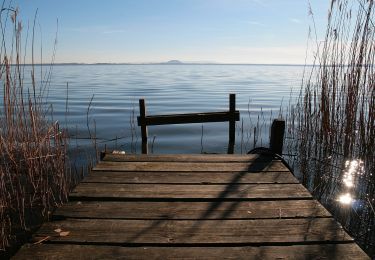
x=191, y=207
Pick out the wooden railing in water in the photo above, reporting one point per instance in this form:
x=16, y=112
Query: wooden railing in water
x=232, y=115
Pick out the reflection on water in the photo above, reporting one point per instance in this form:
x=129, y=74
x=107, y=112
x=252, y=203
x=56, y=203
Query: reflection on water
x=353, y=169
x=346, y=199
x=168, y=89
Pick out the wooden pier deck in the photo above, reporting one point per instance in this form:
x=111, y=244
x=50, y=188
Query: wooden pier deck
x=191, y=207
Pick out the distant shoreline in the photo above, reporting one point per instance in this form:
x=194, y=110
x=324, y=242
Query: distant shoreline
x=165, y=63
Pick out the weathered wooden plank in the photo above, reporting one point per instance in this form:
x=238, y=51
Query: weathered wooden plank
x=193, y=232
x=325, y=251
x=179, y=191
x=184, y=157
x=188, y=118
x=192, y=210
x=190, y=177
x=191, y=166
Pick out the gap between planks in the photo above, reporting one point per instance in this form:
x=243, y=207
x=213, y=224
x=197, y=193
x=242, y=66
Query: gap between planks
x=98, y=176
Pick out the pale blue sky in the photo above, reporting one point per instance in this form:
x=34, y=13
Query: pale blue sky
x=227, y=31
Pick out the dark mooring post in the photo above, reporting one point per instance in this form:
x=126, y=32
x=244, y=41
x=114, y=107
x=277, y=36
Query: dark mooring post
x=277, y=136
x=232, y=122
x=142, y=120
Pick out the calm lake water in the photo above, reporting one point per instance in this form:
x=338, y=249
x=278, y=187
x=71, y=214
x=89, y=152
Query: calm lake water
x=115, y=91
x=104, y=99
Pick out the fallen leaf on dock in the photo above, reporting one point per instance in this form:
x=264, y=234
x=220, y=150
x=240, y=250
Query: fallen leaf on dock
x=64, y=233
x=41, y=240
x=58, y=230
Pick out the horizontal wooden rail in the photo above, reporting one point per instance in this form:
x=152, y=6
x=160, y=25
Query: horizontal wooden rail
x=189, y=118
x=231, y=116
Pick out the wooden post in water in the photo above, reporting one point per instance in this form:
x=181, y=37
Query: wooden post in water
x=232, y=122
x=231, y=116
x=277, y=136
x=142, y=119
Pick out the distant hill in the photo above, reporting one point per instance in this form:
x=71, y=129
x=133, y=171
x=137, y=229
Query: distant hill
x=174, y=62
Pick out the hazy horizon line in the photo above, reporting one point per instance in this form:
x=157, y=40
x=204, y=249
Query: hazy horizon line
x=164, y=63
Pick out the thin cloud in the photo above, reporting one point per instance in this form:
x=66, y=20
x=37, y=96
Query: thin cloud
x=259, y=2
x=96, y=29
x=295, y=20
x=256, y=23
x=284, y=54
x=114, y=31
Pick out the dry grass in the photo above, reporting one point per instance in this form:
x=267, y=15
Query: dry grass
x=34, y=177
x=333, y=124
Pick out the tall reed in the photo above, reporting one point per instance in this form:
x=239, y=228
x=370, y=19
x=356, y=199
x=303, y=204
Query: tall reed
x=333, y=123
x=34, y=175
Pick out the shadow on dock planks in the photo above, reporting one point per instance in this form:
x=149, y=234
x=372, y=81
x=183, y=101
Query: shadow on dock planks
x=191, y=206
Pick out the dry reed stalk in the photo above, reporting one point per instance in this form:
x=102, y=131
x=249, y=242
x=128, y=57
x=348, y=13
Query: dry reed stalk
x=333, y=122
x=34, y=177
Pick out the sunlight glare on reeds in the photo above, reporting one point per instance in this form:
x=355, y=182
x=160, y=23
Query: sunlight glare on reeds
x=352, y=171
x=353, y=168
x=345, y=199
x=333, y=121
